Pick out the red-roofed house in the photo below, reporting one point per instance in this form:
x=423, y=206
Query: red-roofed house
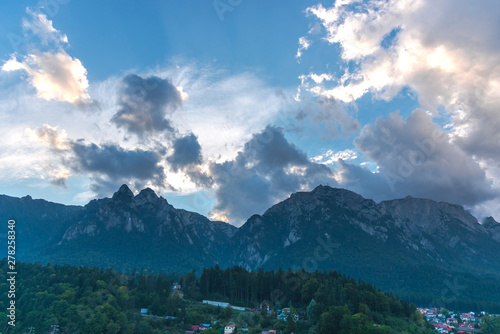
x=229, y=329
x=443, y=326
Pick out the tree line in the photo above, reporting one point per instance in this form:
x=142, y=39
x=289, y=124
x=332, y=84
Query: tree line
x=94, y=300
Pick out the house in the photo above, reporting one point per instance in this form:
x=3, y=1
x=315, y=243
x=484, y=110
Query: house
x=204, y=327
x=442, y=328
x=229, y=329
x=467, y=330
x=283, y=315
x=144, y=311
x=195, y=327
x=176, y=286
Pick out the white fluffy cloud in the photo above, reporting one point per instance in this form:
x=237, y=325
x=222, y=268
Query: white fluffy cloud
x=55, y=76
x=331, y=156
x=450, y=60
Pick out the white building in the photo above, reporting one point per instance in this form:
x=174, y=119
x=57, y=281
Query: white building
x=229, y=329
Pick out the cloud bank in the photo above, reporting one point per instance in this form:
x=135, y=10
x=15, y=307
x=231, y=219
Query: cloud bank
x=446, y=53
x=415, y=157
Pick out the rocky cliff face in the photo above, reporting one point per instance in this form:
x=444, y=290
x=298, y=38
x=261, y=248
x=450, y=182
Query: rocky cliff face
x=446, y=232
x=324, y=214
x=149, y=214
x=148, y=225
x=492, y=227
x=386, y=235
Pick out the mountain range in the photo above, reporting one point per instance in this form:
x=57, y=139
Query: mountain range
x=411, y=245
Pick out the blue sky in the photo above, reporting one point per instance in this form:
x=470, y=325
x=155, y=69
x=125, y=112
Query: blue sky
x=226, y=107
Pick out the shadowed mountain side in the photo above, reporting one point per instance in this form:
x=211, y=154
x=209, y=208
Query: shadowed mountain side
x=408, y=245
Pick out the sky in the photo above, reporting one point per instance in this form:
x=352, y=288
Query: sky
x=226, y=107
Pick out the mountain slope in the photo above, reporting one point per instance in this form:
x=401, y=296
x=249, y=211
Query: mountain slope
x=408, y=245
x=394, y=242
x=39, y=223
x=143, y=231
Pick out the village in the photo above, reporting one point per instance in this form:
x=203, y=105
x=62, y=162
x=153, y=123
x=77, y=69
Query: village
x=443, y=320
x=446, y=321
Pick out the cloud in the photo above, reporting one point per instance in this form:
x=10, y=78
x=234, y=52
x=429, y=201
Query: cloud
x=304, y=44
x=232, y=106
x=328, y=116
x=362, y=180
x=107, y=165
x=267, y=170
x=55, y=76
x=59, y=176
x=331, y=156
x=110, y=165
x=415, y=157
x=444, y=52
x=144, y=103
x=50, y=135
x=224, y=109
x=187, y=151
x=450, y=61
x=115, y=161
x=187, y=159
x=43, y=28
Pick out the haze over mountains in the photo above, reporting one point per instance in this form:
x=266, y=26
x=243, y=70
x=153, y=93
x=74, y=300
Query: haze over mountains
x=407, y=245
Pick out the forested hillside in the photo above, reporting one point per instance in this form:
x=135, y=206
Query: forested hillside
x=91, y=300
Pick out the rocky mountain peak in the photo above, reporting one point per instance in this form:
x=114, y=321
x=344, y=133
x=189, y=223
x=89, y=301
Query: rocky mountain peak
x=124, y=194
x=146, y=196
x=27, y=198
x=492, y=227
x=490, y=222
x=341, y=196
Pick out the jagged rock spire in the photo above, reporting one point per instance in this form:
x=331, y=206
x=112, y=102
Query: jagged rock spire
x=124, y=194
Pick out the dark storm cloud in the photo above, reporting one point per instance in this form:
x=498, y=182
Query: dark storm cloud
x=144, y=103
x=361, y=180
x=415, y=157
x=268, y=169
x=187, y=151
x=115, y=161
x=110, y=165
x=187, y=158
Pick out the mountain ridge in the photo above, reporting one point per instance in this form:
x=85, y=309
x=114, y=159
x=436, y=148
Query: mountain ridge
x=404, y=240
